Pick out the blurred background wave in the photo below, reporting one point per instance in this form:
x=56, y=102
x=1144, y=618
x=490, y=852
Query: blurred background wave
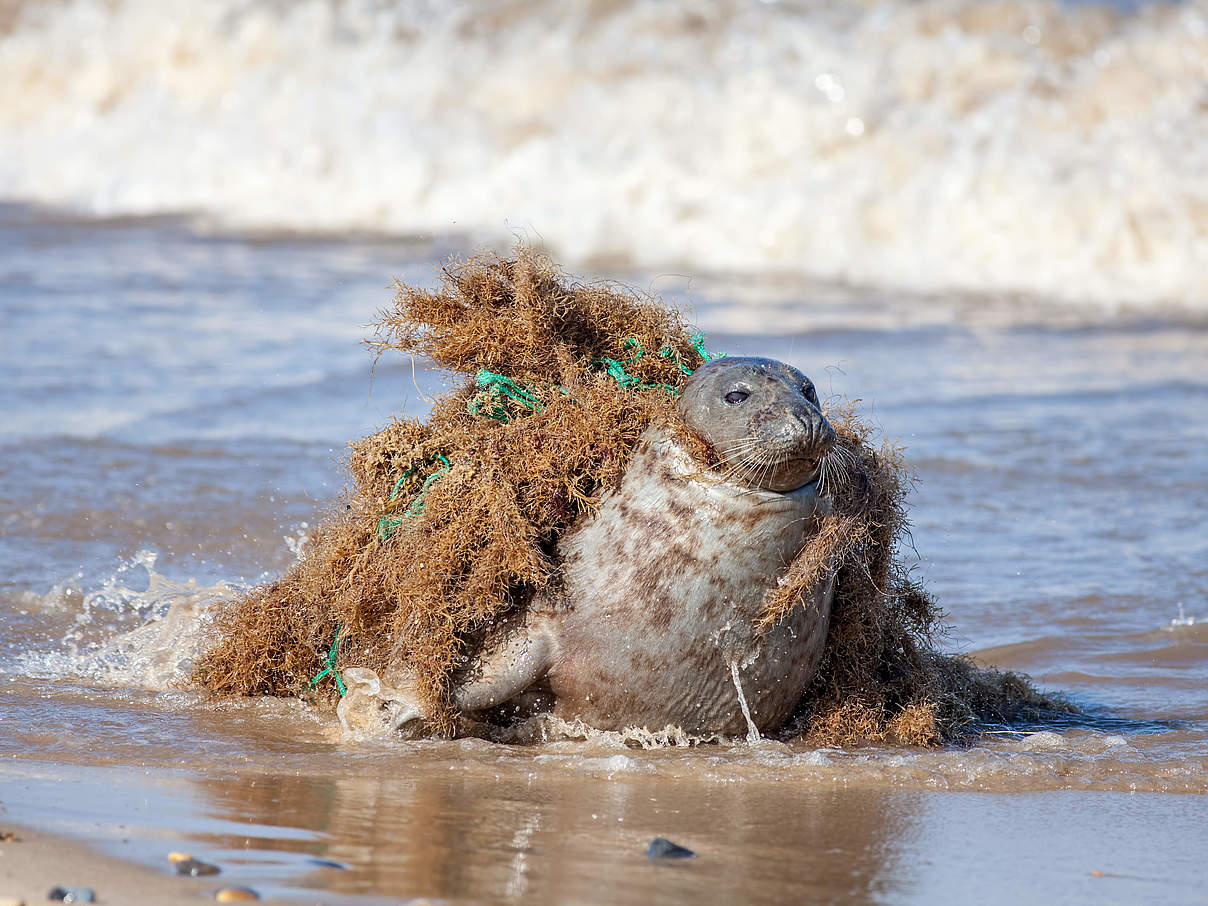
x=1055, y=151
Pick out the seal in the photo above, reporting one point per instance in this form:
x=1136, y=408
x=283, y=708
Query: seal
x=656, y=618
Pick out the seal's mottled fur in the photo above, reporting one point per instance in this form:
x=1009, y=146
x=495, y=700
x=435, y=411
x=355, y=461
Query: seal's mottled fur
x=667, y=585
x=656, y=620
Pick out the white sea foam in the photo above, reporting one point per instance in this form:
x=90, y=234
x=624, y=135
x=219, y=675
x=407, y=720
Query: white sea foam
x=123, y=636
x=936, y=146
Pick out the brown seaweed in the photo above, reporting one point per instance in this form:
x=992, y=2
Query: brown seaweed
x=451, y=523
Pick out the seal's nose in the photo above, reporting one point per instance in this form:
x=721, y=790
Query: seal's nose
x=824, y=434
x=818, y=433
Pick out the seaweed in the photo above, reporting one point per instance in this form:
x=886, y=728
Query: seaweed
x=451, y=524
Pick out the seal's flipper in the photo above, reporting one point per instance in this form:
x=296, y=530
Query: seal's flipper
x=372, y=707
x=503, y=672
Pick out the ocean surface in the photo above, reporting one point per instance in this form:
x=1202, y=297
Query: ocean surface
x=1027, y=147
x=987, y=222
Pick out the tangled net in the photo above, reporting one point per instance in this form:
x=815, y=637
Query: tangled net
x=451, y=524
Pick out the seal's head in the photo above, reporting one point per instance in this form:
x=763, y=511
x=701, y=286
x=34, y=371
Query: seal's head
x=761, y=418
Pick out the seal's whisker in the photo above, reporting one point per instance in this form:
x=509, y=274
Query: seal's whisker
x=841, y=458
x=740, y=451
x=751, y=468
x=748, y=453
x=744, y=442
x=848, y=467
x=744, y=465
x=841, y=472
x=844, y=454
x=766, y=470
x=754, y=467
x=742, y=447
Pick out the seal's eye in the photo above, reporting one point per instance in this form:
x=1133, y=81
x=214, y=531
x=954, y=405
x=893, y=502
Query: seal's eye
x=734, y=397
x=810, y=393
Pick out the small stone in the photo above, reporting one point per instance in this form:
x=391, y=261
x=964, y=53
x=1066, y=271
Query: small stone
x=72, y=895
x=236, y=895
x=11, y=901
x=175, y=857
x=662, y=848
x=195, y=868
x=328, y=863
x=9, y=837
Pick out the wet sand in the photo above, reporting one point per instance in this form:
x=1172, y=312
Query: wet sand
x=38, y=861
x=457, y=825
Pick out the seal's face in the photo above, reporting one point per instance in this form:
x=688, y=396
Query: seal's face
x=762, y=419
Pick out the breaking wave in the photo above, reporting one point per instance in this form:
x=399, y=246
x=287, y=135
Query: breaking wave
x=935, y=146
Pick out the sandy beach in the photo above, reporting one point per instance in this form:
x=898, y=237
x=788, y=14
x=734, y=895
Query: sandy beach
x=36, y=862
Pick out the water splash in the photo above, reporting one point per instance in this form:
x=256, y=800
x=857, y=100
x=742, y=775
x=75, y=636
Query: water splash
x=297, y=541
x=129, y=637
x=1183, y=619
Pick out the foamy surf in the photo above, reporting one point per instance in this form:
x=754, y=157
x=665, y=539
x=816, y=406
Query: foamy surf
x=123, y=636
x=948, y=145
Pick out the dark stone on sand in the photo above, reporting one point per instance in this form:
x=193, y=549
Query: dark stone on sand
x=662, y=848
x=328, y=863
x=195, y=868
x=72, y=895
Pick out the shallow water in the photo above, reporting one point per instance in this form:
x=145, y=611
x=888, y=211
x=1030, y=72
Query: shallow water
x=175, y=406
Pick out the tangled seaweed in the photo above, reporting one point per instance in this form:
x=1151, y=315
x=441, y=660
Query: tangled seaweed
x=451, y=524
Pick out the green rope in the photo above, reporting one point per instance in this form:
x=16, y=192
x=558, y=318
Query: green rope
x=491, y=400
x=387, y=524
x=668, y=352
x=496, y=390
x=332, y=654
x=617, y=368
x=698, y=343
x=618, y=373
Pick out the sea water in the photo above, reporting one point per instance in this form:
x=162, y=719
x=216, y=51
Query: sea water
x=985, y=221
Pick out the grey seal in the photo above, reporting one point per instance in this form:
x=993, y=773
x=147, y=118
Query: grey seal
x=656, y=619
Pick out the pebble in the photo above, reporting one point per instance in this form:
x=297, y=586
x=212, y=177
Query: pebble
x=195, y=868
x=9, y=837
x=328, y=863
x=178, y=857
x=662, y=848
x=236, y=895
x=11, y=901
x=72, y=895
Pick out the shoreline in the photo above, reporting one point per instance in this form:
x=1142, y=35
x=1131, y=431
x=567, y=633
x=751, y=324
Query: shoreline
x=37, y=861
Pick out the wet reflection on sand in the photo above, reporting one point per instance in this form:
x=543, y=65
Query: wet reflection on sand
x=474, y=823
x=467, y=832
